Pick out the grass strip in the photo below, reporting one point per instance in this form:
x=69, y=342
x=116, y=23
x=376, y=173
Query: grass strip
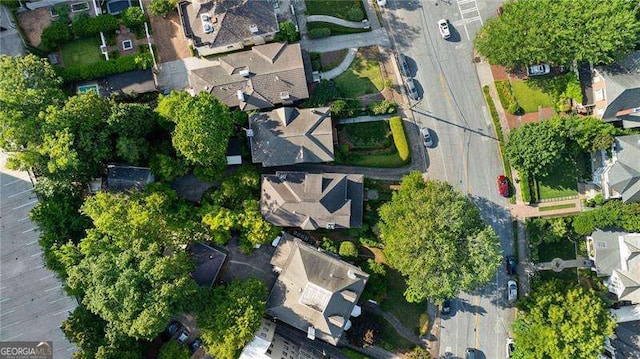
x=557, y=206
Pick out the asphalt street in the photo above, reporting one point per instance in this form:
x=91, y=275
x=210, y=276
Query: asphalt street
x=465, y=151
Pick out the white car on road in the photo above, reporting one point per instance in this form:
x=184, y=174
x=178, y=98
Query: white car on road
x=428, y=141
x=512, y=291
x=537, y=70
x=443, y=26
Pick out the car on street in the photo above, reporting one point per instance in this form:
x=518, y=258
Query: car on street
x=195, y=345
x=171, y=329
x=183, y=336
x=510, y=347
x=446, y=306
x=426, y=136
x=503, y=185
x=443, y=26
x=404, y=67
x=512, y=291
x=537, y=70
x=510, y=263
x=411, y=89
x=471, y=353
x=381, y=2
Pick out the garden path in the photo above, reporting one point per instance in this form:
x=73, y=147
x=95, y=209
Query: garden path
x=344, y=65
x=364, y=24
x=333, y=43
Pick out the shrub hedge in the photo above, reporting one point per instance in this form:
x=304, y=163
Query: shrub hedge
x=400, y=138
x=105, y=68
x=384, y=107
x=55, y=34
x=85, y=25
x=508, y=100
x=319, y=33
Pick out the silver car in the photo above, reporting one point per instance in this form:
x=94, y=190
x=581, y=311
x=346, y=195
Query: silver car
x=411, y=89
x=428, y=141
x=512, y=291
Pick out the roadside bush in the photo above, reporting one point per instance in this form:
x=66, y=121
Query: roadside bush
x=384, y=107
x=105, y=68
x=345, y=108
x=319, y=33
x=526, y=186
x=400, y=138
x=507, y=98
x=598, y=199
x=316, y=65
x=85, y=26
x=133, y=17
x=287, y=32
x=355, y=14
x=162, y=7
x=54, y=35
x=348, y=249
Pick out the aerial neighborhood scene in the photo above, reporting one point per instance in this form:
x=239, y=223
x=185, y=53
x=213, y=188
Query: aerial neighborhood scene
x=284, y=179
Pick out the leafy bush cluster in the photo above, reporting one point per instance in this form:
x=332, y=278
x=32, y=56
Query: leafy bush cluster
x=348, y=250
x=113, y=66
x=345, y=108
x=613, y=214
x=384, y=107
x=287, y=33
x=162, y=7
x=526, y=184
x=325, y=91
x=133, y=17
x=319, y=33
x=85, y=25
x=400, y=138
x=507, y=98
x=55, y=35
x=561, y=88
x=355, y=13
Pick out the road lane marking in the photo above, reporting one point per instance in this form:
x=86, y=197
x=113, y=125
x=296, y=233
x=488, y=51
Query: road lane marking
x=12, y=182
x=35, y=254
x=14, y=337
x=53, y=288
x=24, y=205
x=57, y=300
x=29, y=230
x=9, y=325
x=23, y=219
x=32, y=242
x=9, y=312
x=64, y=311
x=21, y=192
x=47, y=277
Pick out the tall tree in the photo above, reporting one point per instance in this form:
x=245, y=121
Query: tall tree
x=435, y=237
x=559, y=32
x=131, y=123
x=560, y=322
x=203, y=128
x=230, y=316
x=28, y=85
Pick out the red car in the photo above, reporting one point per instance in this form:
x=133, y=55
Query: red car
x=503, y=186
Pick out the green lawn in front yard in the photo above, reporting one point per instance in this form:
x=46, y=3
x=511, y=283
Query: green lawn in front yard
x=557, y=206
x=333, y=8
x=390, y=339
x=563, y=249
x=562, y=182
x=361, y=78
x=367, y=135
x=81, y=52
x=530, y=98
x=407, y=313
x=380, y=160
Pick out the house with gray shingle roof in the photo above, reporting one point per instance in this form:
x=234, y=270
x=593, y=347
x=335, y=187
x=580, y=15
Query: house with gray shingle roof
x=220, y=26
x=266, y=76
x=315, y=291
x=288, y=136
x=312, y=201
x=617, y=256
x=619, y=176
x=616, y=91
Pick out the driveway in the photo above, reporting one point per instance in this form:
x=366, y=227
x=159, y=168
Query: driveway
x=32, y=302
x=257, y=265
x=171, y=44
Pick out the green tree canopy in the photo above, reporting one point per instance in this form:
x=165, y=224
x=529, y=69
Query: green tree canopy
x=435, y=237
x=133, y=273
x=560, y=322
x=28, y=85
x=174, y=350
x=162, y=7
x=230, y=316
x=131, y=123
x=203, y=128
x=559, y=32
x=348, y=249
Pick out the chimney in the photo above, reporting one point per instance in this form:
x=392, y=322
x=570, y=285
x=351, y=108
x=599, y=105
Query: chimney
x=254, y=28
x=245, y=72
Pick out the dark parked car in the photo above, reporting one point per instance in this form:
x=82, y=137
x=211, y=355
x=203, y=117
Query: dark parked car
x=183, y=336
x=446, y=306
x=470, y=353
x=510, y=262
x=404, y=67
x=171, y=329
x=197, y=343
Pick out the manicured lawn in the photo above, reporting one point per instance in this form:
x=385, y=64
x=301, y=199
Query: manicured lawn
x=530, y=98
x=390, y=339
x=352, y=354
x=81, y=51
x=563, y=249
x=361, y=78
x=333, y=8
x=395, y=303
x=561, y=183
x=367, y=135
x=384, y=160
x=558, y=206
x=335, y=29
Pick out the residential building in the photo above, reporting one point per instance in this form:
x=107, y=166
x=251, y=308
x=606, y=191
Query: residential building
x=127, y=178
x=616, y=256
x=619, y=175
x=266, y=76
x=288, y=136
x=312, y=201
x=209, y=261
x=227, y=25
x=234, y=151
x=130, y=82
x=315, y=291
x=616, y=92
x=268, y=343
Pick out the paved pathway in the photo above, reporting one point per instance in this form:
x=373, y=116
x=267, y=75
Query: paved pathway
x=374, y=21
x=361, y=119
x=333, y=43
x=364, y=24
x=558, y=264
x=344, y=65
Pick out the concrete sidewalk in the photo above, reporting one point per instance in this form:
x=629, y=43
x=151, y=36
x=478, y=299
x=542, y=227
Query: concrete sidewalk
x=337, y=21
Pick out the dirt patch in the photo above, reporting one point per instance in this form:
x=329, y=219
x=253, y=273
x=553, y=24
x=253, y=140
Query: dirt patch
x=329, y=60
x=171, y=44
x=33, y=22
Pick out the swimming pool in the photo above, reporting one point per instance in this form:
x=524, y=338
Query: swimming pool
x=87, y=88
x=117, y=6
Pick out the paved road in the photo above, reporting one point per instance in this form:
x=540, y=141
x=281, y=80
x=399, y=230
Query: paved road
x=32, y=302
x=466, y=152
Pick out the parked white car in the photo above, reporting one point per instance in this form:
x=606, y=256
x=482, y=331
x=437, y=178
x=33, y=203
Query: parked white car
x=512, y=291
x=510, y=347
x=443, y=26
x=537, y=70
x=381, y=3
x=428, y=141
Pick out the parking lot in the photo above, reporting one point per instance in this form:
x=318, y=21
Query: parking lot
x=32, y=301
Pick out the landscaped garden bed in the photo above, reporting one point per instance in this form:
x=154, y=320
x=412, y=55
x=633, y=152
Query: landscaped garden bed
x=373, y=144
